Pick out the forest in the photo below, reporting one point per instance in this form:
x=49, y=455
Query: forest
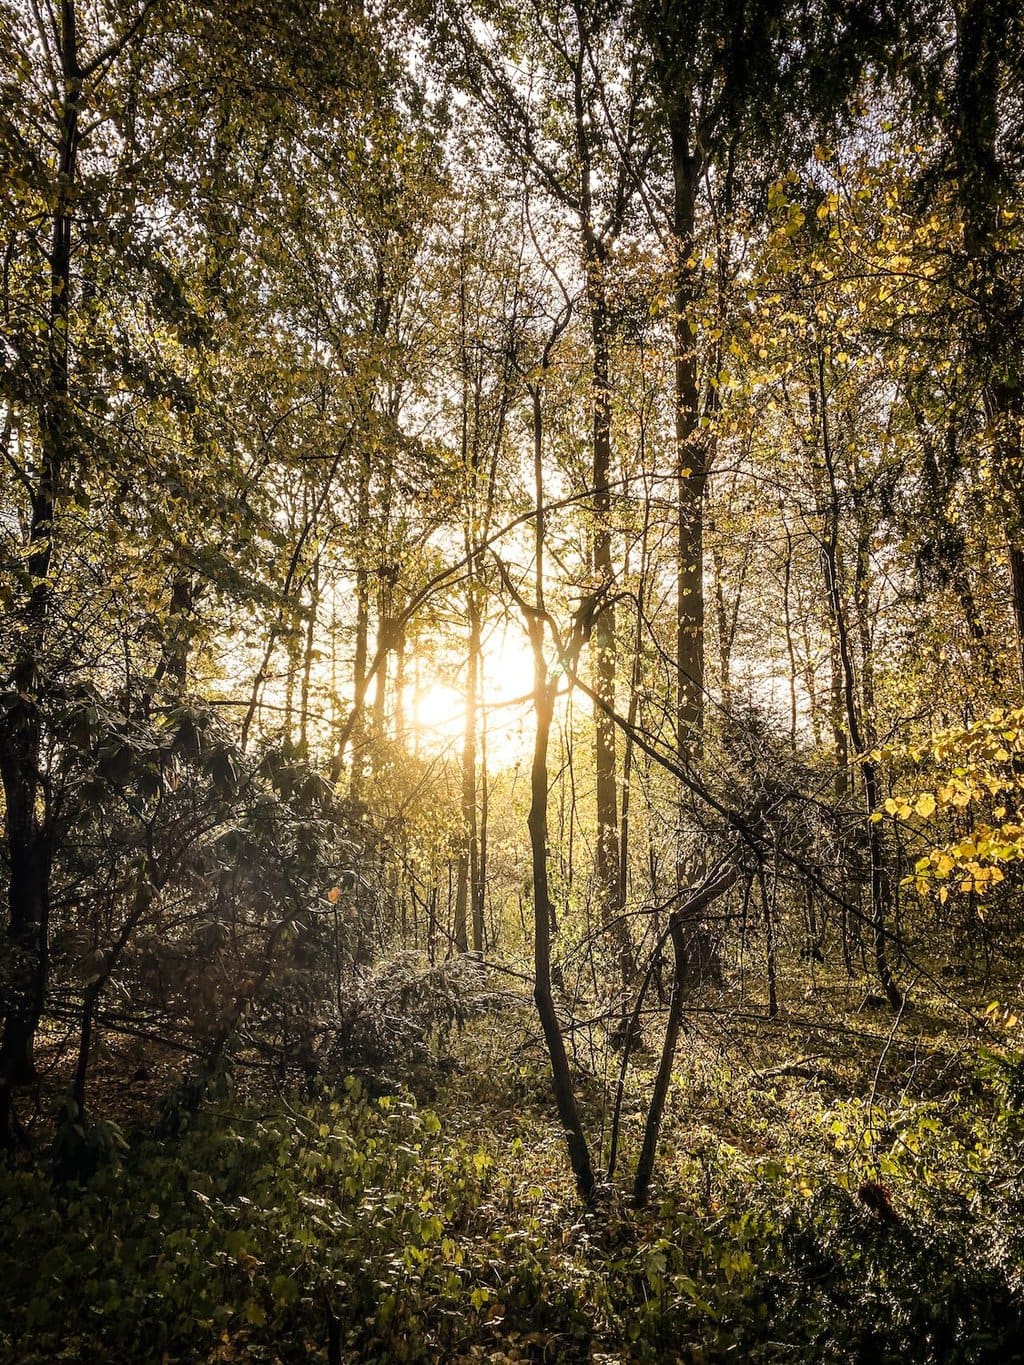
x=512, y=681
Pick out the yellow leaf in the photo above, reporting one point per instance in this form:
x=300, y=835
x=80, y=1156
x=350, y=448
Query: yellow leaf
x=925, y=804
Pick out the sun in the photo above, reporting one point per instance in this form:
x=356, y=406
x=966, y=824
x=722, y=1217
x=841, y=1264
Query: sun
x=437, y=712
x=436, y=707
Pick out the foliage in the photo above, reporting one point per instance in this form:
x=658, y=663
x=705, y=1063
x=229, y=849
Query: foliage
x=977, y=785
x=266, y=1232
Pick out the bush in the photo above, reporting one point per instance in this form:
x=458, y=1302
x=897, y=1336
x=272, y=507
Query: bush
x=354, y=1228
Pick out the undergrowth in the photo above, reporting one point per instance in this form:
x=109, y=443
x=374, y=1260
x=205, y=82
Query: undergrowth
x=787, y=1227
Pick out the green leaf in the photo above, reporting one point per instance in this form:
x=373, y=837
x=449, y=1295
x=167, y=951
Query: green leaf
x=284, y=1290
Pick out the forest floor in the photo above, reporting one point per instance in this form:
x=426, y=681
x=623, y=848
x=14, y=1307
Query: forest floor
x=834, y=1184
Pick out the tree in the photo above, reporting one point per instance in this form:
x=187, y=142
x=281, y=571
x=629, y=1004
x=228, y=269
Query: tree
x=564, y=131
x=125, y=239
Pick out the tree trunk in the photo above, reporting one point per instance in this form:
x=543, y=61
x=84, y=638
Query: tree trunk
x=652, y=1127
x=174, y=650
x=307, y=659
x=981, y=172
x=682, y=916
x=881, y=889
x=603, y=641
x=467, y=889
x=360, y=660
x=768, y=919
x=544, y=693
x=27, y=830
x=787, y=613
x=594, y=252
x=725, y=635
x=561, y=1078
x=691, y=470
x=479, y=894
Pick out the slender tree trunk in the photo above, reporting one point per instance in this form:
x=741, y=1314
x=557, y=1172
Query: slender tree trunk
x=400, y=662
x=594, y=253
x=173, y=662
x=627, y=757
x=981, y=56
x=810, y=676
x=862, y=607
x=467, y=891
x=1004, y=405
x=469, y=925
x=362, y=639
x=561, y=1078
x=691, y=470
x=691, y=485
x=544, y=692
x=603, y=641
x=768, y=919
x=680, y=918
x=291, y=673
x=21, y=733
x=790, y=645
x=673, y=1024
x=832, y=573
x=948, y=535
x=724, y=635
x=480, y=937
x=881, y=890
x=385, y=639
x=354, y=730
x=307, y=659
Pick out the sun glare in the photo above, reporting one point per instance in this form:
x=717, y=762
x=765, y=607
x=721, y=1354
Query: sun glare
x=436, y=708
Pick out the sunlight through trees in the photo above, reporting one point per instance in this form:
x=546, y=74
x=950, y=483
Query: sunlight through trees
x=512, y=555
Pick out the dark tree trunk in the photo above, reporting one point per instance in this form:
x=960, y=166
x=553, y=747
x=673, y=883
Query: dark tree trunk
x=982, y=172
x=881, y=889
x=467, y=896
x=544, y=693
x=603, y=641
x=690, y=458
x=561, y=1077
x=681, y=918
x=27, y=831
